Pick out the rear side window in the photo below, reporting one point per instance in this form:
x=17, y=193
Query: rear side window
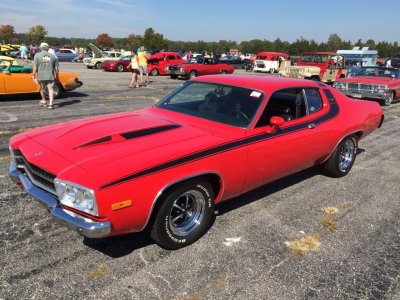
x=291, y=104
x=313, y=100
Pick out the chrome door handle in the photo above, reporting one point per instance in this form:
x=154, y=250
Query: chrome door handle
x=311, y=126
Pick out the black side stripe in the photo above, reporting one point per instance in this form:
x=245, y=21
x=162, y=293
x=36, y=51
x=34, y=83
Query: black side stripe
x=334, y=110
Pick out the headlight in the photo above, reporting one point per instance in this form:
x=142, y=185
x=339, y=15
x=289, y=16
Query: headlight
x=339, y=85
x=76, y=196
x=166, y=69
x=301, y=71
x=182, y=69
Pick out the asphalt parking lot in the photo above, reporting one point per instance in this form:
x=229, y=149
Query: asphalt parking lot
x=303, y=237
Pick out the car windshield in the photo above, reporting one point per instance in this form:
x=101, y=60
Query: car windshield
x=316, y=58
x=225, y=104
x=377, y=71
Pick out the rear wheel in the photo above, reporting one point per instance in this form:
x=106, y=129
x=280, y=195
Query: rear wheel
x=97, y=65
x=120, y=68
x=342, y=159
x=184, y=216
x=272, y=70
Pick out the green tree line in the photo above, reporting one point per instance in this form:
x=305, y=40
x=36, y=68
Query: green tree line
x=153, y=40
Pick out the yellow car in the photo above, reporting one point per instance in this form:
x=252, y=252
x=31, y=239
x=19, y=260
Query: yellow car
x=4, y=59
x=19, y=80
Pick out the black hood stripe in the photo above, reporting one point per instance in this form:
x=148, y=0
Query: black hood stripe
x=333, y=111
x=132, y=134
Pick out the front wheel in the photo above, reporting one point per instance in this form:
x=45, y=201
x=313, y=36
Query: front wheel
x=192, y=74
x=57, y=91
x=342, y=158
x=154, y=72
x=388, y=100
x=97, y=65
x=272, y=70
x=120, y=68
x=184, y=216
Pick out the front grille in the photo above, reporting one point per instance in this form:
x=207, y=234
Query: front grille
x=359, y=87
x=353, y=86
x=365, y=87
x=173, y=68
x=38, y=177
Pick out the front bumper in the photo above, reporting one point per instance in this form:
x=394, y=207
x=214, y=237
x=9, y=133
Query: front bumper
x=84, y=226
x=72, y=86
x=176, y=72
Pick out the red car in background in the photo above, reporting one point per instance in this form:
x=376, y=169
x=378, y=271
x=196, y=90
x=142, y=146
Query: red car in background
x=376, y=83
x=158, y=63
x=120, y=65
x=198, y=66
x=165, y=167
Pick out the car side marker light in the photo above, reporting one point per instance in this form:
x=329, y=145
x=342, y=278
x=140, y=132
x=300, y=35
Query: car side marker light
x=122, y=204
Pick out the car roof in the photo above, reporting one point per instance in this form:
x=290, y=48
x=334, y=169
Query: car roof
x=259, y=82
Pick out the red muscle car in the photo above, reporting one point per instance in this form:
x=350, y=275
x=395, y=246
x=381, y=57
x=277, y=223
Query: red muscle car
x=198, y=66
x=158, y=63
x=165, y=167
x=119, y=65
x=376, y=83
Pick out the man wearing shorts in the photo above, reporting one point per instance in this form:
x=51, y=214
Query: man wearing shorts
x=143, y=65
x=24, y=52
x=45, y=72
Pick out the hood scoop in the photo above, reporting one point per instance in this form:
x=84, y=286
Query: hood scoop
x=120, y=137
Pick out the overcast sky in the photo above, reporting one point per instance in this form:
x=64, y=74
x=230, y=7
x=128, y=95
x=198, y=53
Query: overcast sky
x=210, y=20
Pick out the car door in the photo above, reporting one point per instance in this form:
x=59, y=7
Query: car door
x=17, y=83
x=296, y=145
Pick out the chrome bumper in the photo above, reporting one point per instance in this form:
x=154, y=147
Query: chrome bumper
x=176, y=72
x=367, y=95
x=84, y=226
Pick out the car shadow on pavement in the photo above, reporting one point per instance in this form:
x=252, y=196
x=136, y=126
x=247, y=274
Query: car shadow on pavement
x=66, y=103
x=265, y=191
x=119, y=246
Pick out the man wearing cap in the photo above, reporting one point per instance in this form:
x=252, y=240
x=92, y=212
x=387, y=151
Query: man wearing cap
x=45, y=72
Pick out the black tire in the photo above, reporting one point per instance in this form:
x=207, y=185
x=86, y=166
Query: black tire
x=97, y=65
x=154, y=72
x=173, y=76
x=272, y=70
x=192, y=74
x=120, y=68
x=184, y=215
x=57, y=91
x=388, y=101
x=342, y=159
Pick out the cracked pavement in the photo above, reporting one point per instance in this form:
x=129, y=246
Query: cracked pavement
x=245, y=255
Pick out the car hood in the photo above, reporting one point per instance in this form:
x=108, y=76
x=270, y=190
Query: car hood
x=368, y=79
x=146, y=136
x=96, y=50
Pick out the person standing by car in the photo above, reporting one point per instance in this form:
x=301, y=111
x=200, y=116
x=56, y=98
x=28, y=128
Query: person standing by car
x=24, y=52
x=45, y=72
x=134, y=66
x=143, y=65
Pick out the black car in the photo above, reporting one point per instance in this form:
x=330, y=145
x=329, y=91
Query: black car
x=232, y=60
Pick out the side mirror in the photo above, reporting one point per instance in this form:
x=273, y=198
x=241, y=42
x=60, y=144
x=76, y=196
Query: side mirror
x=277, y=121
